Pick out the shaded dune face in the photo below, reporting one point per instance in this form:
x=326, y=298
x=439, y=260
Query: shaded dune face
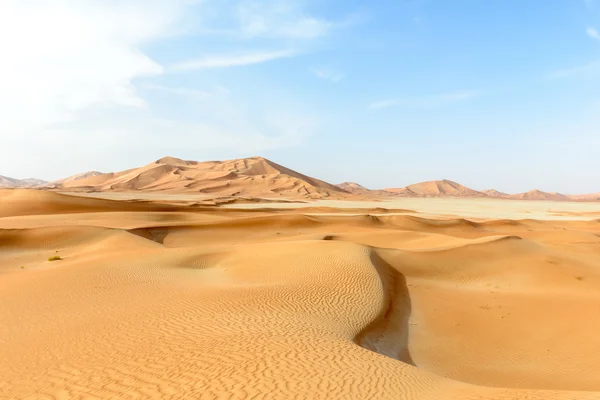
x=276, y=304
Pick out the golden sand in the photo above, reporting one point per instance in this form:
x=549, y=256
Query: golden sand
x=172, y=301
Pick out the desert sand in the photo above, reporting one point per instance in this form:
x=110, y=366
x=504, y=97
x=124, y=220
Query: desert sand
x=171, y=299
x=252, y=176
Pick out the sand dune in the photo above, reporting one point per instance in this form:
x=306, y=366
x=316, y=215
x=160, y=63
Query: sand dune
x=443, y=188
x=494, y=193
x=446, y=188
x=585, y=197
x=255, y=176
x=69, y=181
x=175, y=301
x=18, y=202
x=362, y=192
x=539, y=195
x=6, y=182
x=352, y=187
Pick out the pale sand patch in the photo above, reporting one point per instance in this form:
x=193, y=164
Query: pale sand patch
x=467, y=208
x=438, y=207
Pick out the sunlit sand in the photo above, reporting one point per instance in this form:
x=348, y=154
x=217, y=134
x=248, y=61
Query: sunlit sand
x=154, y=300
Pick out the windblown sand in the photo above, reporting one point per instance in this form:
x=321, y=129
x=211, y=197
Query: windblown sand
x=166, y=301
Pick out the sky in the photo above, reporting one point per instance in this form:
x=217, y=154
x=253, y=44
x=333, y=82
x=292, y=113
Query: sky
x=500, y=94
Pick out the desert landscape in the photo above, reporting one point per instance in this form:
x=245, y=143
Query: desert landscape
x=275, y=200
x=244, y=279
x=258, y=177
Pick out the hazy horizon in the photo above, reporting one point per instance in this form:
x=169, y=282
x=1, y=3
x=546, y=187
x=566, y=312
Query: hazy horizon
x=498, y=94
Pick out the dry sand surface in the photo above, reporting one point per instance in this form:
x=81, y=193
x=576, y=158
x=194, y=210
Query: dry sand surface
x=479, y=209
x=177, y=301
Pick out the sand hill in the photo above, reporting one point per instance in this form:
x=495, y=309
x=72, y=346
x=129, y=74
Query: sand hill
x=213, y=303
x=352, y=187
x=442, y=188
x=254, y=176
x=69, y=180
x=586, y=197
x=363, y=192
x=446, y=188
x=539, y=195
x=7, y=182
x=494, y=193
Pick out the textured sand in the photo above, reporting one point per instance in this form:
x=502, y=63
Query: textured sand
x=255, y=176
x=177, y=302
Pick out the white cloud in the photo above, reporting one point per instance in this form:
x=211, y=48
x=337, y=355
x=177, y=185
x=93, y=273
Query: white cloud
x=74, y=73
x=593, y=33
x=64, y=57
x=180, y=91
x=328, y=74
x=231, y=60
x=275, y=18
x=425, y=102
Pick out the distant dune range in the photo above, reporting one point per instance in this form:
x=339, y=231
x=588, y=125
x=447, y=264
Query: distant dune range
x=6, y=182
x=182, y=300
x=259, y=177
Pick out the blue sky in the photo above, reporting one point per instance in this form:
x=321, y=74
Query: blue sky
x=497, y=94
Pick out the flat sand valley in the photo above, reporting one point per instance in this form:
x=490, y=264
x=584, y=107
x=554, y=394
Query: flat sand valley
x=175, y=298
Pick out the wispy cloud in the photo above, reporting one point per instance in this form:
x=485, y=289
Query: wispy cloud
x=180, y=91
x=437, y=100
x=582, y=71
x=593, y=33
x=275, y=18
x=231, y=60
x=49, y=75
x=62, y=88
x=290, y=20
x=328, y=74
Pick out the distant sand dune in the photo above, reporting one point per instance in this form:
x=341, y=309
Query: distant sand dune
x=173, y=302
x=241, y=177
x=258, y=177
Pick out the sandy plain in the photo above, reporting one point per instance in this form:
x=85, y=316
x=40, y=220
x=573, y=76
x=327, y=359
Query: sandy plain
x=414, y=299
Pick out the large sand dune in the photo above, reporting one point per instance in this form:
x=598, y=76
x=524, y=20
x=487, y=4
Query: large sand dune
x=177, y=301
x=254, y=176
